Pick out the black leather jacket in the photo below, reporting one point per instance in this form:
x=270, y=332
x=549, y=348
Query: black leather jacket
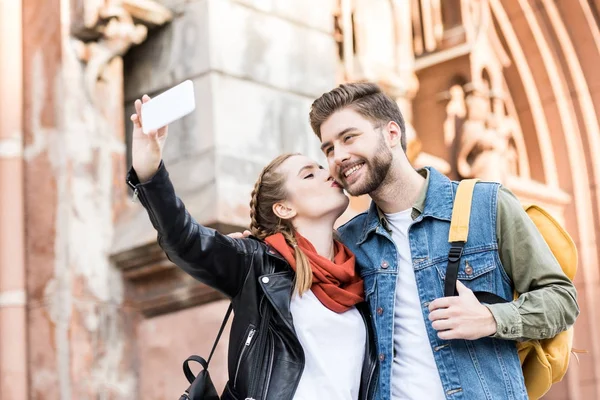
x=265, y=359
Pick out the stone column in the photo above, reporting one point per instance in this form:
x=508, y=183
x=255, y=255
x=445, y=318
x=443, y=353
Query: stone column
x=81, y=333
x=13, y=335
x=256, y=68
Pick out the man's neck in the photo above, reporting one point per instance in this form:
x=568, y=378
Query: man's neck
x=399, y=190
x=319, y=234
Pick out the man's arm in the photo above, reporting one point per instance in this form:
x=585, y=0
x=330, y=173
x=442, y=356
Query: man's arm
x=547, y=304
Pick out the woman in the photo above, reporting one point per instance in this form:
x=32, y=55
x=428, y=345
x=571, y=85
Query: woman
x=301, y=329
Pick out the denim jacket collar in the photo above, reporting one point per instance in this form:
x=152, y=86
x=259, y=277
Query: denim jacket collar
x=439, y=200
x=440, y=196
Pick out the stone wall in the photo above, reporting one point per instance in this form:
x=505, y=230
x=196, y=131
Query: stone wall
x=256, y=68
x=90, y=305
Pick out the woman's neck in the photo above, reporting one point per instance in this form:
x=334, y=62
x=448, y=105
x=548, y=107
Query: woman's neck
x=319, y=234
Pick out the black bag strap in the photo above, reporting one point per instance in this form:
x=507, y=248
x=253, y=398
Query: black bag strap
x=489, y=298
x=227, y=314
x=454, y=255
x=186, y=367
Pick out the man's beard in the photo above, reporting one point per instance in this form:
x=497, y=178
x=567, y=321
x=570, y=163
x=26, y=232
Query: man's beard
x=377, y=169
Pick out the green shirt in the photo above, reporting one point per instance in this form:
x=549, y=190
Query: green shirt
x=548, y=301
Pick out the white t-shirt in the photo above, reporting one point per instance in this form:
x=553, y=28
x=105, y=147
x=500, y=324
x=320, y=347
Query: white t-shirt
x=334, y=349
x=414, y=372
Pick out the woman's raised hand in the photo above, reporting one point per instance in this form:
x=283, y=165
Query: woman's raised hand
x=146, y=150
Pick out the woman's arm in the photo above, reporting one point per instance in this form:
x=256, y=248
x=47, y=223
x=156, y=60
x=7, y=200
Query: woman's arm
x=215, y=259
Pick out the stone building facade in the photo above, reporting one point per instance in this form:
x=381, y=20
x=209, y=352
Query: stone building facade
x=90, y=308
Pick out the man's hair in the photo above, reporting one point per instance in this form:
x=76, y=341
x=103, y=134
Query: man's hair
x=365, y=98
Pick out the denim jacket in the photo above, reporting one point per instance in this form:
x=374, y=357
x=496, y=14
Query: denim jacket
x=487, y=368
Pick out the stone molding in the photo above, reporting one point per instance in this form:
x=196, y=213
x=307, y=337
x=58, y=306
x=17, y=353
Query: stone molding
x=156, y=286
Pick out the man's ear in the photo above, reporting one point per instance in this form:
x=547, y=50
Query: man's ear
x=284, y=211
x=393, y=134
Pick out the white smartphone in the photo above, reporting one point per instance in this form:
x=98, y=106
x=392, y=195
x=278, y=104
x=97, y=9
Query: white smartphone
x=168, y=106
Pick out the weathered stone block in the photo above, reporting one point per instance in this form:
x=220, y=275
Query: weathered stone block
x=254, y=124
x=176, y=6
x=257, y=122
x=297, y=58
x=237, y=40
x=313, y=13
x=171, y=54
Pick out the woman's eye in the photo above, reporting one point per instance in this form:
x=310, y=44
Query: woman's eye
x=309, y=176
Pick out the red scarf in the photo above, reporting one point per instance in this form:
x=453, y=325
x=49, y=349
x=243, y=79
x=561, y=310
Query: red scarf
x=335, y=283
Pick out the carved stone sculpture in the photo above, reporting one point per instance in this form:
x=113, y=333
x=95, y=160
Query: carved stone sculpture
x=112, y=22
x=486, y=149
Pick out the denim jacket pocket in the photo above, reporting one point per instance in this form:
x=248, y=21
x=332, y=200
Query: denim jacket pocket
x=370, y=285
x=476, y=271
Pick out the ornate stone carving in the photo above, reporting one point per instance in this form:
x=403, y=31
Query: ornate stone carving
x=115, y=26
x=456, y=112
x=486, y=148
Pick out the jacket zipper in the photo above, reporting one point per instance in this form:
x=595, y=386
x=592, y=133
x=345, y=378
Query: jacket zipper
x=270, y=369
x=370, y=380
x=246, y=346
x=264, y=325
x=372, y=373
x=263, y=336
x=139, y=195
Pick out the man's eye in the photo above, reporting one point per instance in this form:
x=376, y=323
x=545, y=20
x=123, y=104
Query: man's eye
x=309, y=176
x=347, y=137
x=328, y=151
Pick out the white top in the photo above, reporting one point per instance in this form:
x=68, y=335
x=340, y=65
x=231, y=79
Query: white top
x=334, y=349
x=414, y=372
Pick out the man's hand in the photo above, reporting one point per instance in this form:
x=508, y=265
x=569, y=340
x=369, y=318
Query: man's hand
x=240, y=235
x=462, y=316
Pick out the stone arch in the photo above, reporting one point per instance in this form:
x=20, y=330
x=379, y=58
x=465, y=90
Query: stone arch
x=548, y=83
x=563, y=130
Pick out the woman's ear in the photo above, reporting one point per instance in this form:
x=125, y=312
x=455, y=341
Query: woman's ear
x=283, y=211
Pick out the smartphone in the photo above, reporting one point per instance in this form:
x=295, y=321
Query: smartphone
x=168, y=106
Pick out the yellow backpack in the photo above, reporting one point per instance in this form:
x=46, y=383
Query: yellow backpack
x=544, y=362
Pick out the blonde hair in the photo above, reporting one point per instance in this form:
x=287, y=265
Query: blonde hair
x=269, y=189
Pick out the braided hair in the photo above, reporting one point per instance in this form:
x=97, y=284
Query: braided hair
x=269, y=189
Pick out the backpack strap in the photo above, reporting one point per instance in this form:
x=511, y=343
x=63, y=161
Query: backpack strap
x=459, y=232
x=461, y=211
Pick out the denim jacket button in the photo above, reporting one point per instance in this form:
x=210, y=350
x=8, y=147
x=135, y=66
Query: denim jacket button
x=381, y=357
x=265, y=279
x=384, y=264
x=505, y=330
x=379, y=310
x=469, y=270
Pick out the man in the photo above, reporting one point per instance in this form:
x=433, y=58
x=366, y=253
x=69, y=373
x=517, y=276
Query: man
x=430, y=346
